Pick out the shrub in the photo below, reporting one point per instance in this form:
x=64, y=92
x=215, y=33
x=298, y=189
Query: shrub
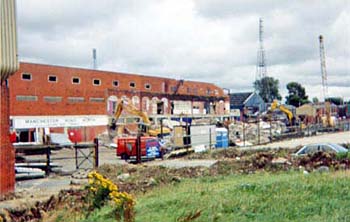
x=103, y=191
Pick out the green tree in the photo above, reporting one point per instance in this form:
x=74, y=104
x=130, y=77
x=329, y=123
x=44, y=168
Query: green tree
x=315, y=100
x=267, y=88
x=335, y=100
x=296, y=94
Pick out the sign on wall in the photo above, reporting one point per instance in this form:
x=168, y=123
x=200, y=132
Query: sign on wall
x=27, y=122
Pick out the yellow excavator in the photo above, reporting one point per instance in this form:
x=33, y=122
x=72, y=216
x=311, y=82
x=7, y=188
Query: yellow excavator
x=284, y=109
x=145, y=126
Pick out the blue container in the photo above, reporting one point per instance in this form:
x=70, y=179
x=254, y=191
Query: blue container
x=221, y=138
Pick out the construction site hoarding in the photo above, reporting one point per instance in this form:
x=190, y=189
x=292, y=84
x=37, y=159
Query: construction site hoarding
x=203, y=137
x=8, y=39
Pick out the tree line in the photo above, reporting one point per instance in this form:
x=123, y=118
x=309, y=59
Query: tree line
x=268, y=89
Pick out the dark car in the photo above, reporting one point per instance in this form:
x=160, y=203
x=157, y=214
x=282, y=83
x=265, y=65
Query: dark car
x=321, y=147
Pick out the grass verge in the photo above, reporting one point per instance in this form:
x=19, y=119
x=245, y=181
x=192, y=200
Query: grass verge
x=284, y=196
x=260, y=197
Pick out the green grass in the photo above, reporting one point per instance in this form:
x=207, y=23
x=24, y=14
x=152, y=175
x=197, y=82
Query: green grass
x=262, y=197
x=284, y=196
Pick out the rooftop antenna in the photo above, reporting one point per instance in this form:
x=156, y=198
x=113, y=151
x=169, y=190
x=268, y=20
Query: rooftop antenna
x=323, y=68
x=94, y=60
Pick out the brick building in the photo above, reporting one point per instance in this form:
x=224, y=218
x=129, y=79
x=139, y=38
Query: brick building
x=42, y=94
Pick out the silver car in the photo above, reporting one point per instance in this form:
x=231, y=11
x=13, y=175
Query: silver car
x=321, y=147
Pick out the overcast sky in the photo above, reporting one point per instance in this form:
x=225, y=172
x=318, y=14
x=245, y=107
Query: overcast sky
x=202, y=40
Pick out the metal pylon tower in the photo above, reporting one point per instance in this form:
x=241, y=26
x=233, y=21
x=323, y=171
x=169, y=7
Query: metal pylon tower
x=261, y=71
x=323, y=69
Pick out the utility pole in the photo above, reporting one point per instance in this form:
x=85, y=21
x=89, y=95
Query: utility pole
x=94, y=59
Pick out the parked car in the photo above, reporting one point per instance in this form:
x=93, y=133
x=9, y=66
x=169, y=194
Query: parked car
x=321, y=147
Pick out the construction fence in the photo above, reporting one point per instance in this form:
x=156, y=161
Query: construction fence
x=247, y=133
x=255, y=132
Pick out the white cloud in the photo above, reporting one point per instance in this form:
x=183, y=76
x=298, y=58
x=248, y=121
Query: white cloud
x=202, y=40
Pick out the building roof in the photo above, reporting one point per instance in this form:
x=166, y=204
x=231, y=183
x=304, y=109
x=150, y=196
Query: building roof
x=237, y=99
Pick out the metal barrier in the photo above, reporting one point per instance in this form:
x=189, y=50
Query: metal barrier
x=81, y=156
x=90, y=156
x=254, y=133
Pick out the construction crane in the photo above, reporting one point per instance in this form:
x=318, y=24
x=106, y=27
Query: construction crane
x=328, y=121
x=323, y=69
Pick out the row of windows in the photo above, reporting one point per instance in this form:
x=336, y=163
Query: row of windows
x=56, y=99
x=115, y=83
x=76, y=80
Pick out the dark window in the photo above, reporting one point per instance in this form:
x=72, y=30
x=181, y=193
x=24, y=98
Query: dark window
x=208, y=91
x=26, y=76
x=132, y=85
x=52, y=79
x=115, y=83
x=96, y=82
x=76, y=80
x=147, y=86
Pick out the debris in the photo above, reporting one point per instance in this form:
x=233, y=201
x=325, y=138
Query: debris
x=28, y=173
x=247, y=132
x=322, y=169
x=123, y=177
x=280, y=160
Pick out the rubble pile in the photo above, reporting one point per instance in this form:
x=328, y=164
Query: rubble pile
x=249, y=132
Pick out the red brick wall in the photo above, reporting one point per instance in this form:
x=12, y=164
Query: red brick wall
x=40, y=87
x=7, y=154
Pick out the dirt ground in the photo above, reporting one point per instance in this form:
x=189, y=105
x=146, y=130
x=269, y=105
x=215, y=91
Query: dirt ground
x=140, y=178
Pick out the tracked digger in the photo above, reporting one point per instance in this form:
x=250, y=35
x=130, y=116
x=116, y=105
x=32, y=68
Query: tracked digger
x=285, y=110
x=144, y=127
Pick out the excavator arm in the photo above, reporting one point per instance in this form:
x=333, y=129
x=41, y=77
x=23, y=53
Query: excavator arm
x=284, y=109
x=128, y=107
x=287, y=112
